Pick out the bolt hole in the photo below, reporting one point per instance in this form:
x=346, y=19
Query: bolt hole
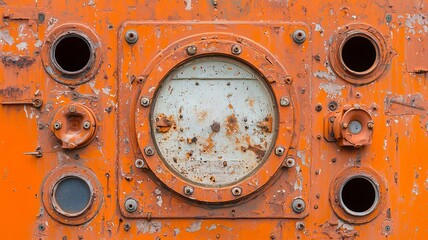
x=359, y=196
x=359, y=54
x=72, y=53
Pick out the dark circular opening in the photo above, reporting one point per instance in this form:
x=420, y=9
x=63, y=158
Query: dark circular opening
x=359, y=195
x=359, y=54
x=72, y=53
x=72, y=194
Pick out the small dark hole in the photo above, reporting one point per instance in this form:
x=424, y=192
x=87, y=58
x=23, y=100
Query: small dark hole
x=359, y=54
x=358, y=194
x=72, y=53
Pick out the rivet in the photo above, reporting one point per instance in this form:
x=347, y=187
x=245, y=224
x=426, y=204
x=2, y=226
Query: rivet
x=289, y=162
x=345, y=125
x=236, y=49
x=131, y=36
x=284, y=101
x=37, y=102
x=126, y=226
x=72, y=109
x=131, y=205
x=370, y=125
x=318, y=107
x=86, y=125
x=300, y=225
x=191, y=50
x=188, y=190
x=139, y=163
x=41, y=227
x=298, y=205
x=236, y=191
x=57, y=125
x=279, y=151
x=145, y=102
x=299, y=36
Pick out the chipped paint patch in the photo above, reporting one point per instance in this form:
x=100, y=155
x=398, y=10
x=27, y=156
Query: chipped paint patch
x=415, y=190
x=5, y=37
x=188, y=4
x=176, y=231
x=149, y=226
x=419, y=19
x=194, y=227
x=212, y=227
x=333, y=90
x=22, y=46
x=38, y=43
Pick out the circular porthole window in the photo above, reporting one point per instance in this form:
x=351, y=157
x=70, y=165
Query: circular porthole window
x=214, y=121
x=72, y=195
x=207, y=119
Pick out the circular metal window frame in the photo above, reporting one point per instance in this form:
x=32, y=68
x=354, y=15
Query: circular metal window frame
x=379, y=43
x=71, y=78
x=52, y=207
x=251, y=55
x=375, y=202
x=336, y=190
x=57, y=206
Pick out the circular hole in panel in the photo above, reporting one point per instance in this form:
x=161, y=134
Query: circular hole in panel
x=72, y=53
x=359, y=54
x=359, y=196
x=73, y=195
x=219, y=131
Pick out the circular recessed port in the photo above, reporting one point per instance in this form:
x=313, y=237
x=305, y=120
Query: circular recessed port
x=72, y=54
x=72, y=196
x=359, y=195
x=359, y=54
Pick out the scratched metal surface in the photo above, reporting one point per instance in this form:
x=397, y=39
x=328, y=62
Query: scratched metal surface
x=396, y=100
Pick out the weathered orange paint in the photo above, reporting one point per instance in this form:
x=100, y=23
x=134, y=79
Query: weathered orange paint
x=395, y=99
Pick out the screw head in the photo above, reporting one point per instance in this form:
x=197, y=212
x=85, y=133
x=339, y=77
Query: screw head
x=236, y=191
x=57, y=125
x=139, y=163
x=284, y=102
x=290, y=162
x=318, y=107
x=41, y=227
x=131, y=36
x=279, y=151
x=37, y=102
x=188, y=190
x=127, y=226
x=145, y=102
x=131, y=205
x=298, y=205
x=149, y=151
x=86, y=125
x=191, y=50
x=236, y=49
x=299, y=36
x=300, y=225
x=72, y=109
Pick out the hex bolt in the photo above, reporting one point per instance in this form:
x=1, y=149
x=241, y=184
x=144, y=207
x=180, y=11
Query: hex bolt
x=290, y=162
x=131, y=205
x=145, y=102
x=236, y=49
x=57, y=125
x=127, y=226
x=86, y=125
x=298, y=205
x=300, y=225
x=299, y=36
x=191, y=50
x=279, y=151
x=139, y=163
x=188, y=190
x=370, y=125
x=236, y=191
x=284, y=102
x=72, y=109
x=131, y=36
x=149, y=151
x=318, y=107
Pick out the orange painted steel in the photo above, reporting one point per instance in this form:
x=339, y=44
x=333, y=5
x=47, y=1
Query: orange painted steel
x=365, y=177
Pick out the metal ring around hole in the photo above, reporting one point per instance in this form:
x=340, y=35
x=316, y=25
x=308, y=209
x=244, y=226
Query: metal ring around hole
x=375, y=202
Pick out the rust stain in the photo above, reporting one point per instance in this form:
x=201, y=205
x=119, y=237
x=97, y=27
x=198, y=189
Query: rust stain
x=215, y=127
x=11, y=92
x=339, y=231
x=257, y=149
x=164, y=124
x=18, y=61
x=232, y=125
x=266, y=125
x=201, y=115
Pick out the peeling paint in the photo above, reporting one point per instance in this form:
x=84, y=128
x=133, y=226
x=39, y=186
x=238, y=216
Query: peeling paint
x=333, y=90
x=149, y=226
x=5, y=37
x=194, y=227
x=22, y=46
